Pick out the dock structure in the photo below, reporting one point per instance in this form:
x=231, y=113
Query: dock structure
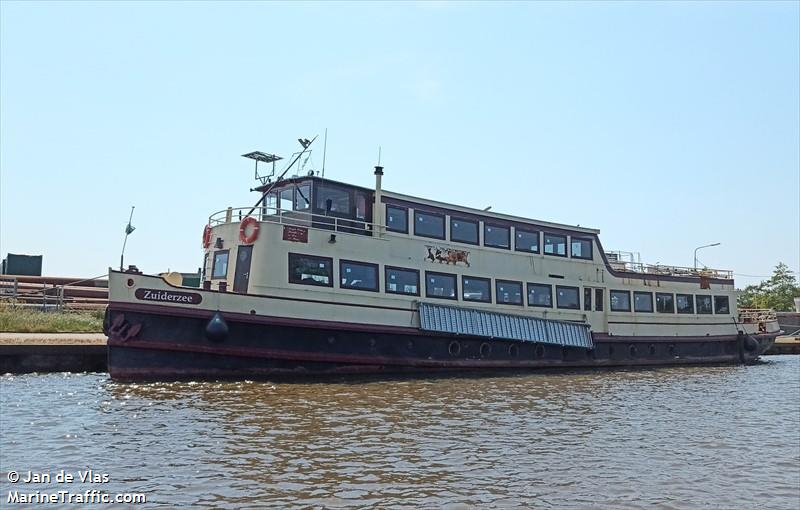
x=22, y=353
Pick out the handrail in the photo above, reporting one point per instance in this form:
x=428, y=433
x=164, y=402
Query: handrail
x=757, y=314
x=661, y=269
x=292, y=217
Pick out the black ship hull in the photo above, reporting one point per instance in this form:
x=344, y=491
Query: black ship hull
x=152, y=342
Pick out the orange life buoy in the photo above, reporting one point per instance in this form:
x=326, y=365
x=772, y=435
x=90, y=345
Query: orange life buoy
x=248, y=222
x=207, y=236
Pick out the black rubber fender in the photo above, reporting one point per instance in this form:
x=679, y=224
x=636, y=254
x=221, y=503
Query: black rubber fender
x=750, y=343
x=217, y=328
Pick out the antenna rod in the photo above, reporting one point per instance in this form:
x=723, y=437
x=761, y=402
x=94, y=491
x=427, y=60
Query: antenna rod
x=128, y=230
x=264, y=193
x=379, y=154
x=324, y=152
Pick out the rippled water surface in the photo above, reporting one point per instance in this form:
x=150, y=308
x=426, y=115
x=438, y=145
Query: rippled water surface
x=719, y=437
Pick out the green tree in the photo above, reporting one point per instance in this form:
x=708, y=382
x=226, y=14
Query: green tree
x=777, y=293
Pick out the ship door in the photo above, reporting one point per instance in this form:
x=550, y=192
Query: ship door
x=242, y=275
x=595, y=308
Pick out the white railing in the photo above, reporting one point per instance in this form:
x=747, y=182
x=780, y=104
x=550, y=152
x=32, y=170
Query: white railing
x=291, y=217
x=660, y=269
x=757, y=315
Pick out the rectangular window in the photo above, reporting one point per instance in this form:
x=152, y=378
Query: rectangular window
x=463, y=231
x=555, y=244
x=220, y=268
x=721, y=304
x=476, y=289
x=310, y=270
x=684, y=303
x=620, y=301
x=540, y=294
x=508, y=293
x=270, y=205
x=358, y=275
x=587, y=300
x=361, y=205
x=330, y=200
x=440, y=285
x=396, y=219
x=568, y=297
x=428, y=224
x=665, y=303
x=642, y=301
x=286, y=199
x=402, y=281
x=598, y=300
x=704, y=304
x=495, y=236
x=581, y=248
x=526, y=240
x=302, y=198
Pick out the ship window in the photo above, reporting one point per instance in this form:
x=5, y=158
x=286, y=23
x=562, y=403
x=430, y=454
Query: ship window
x=396, y=219
x=440, y=285
x=620, y=301
x=495, y=236
x=358, y=275
x=721, y=304
x=220, y=269
x=310, y=270
x=665, y=303
x=476, y=289
x=361, y=206
x=508, y=293
x=402, y=281
x=642, y=301
x=555, y=244
x=332, y=200
x=302, y=198
x=587, y=300
x=525, y=240
x=463, y=231
x=540, y=294
x=685, y=303
x=567, y=297
x=270, y=204
x=581, y=248
x=704, y=304
x=286, y=199
x=598, y=300
x=429, y=225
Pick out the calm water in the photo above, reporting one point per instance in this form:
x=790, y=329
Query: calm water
x=722, y=437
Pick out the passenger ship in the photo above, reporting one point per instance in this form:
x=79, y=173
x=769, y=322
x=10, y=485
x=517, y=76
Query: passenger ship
x=322, y=278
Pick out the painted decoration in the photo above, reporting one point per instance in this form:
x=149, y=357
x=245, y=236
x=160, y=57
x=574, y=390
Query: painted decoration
x=447, y=255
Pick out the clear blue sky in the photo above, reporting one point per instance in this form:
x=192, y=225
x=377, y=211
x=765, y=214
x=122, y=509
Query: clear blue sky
x=665, y=125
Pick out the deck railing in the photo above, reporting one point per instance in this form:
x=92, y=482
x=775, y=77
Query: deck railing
x=757, y=315
x=291, y=217
x=661, y=269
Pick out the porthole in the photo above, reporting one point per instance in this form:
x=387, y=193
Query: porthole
x=454, y=348
x=486, y=350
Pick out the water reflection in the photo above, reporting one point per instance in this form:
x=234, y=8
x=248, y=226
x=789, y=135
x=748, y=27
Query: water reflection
x=669, y=438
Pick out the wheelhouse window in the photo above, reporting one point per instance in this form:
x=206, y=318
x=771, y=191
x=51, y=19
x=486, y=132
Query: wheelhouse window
x=220, y=268
x=555, y=244
x=526, y=240
x=581, y=248
x=620, y=301
x=302, y=198
x=642, y=301
x=332, y=200
x=286, y=199
x=402, y=281
x=463, y=231
x=428, y=224
x=270, y=204
x=310, y=270
x=540, y=294
x=476, y=289
x=397, y=219
x=665, y=303
x=704, y=304
x=440, y=285
x=495, y=236
x=508, y=293
x=684, y=303
x=568, y=297
x=587, y=300
x=721, y=304
x=358, y=275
